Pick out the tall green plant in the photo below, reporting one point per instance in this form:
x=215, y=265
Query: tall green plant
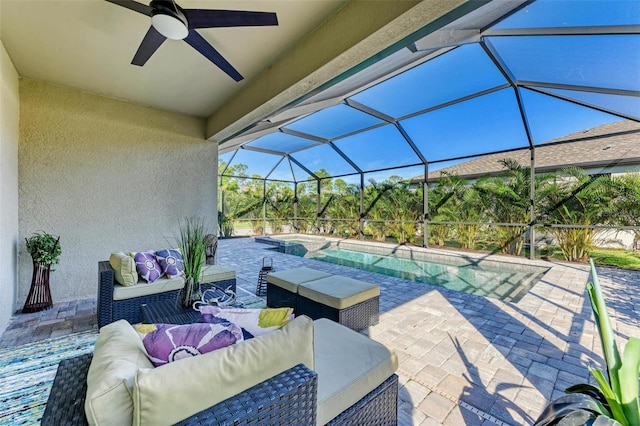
x=615, y=398
x=193, y=245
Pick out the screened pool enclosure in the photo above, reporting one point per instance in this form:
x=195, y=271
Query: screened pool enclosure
x=514, y=126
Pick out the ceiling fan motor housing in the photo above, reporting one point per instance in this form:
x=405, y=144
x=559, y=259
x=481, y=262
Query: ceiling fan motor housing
x=168, y=19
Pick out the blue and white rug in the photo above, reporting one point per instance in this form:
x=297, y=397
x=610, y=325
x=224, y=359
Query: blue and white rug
x=27, y=373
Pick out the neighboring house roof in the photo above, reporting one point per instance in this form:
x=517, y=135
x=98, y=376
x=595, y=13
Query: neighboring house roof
x=610, y=145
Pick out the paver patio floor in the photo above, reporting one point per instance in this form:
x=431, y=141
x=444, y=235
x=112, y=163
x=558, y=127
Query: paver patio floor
x=471, y=360
x=464, y=359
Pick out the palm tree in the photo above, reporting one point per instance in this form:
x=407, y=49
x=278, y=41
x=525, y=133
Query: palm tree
x=375, y=210
x=626, y=205
x=439, y=207
x=576, y=198
x=455, y=200
x=404, y=207
x=470, y=210
x=508, y=198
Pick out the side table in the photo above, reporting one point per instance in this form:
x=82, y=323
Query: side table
x=172, y=312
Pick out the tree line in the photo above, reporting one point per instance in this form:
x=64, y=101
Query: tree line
x=491, y=212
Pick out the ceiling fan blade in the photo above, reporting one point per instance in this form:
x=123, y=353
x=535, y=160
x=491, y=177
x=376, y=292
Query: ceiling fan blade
x=209, y=18
x=133, y=5
x=150, y=43
x=196, y=41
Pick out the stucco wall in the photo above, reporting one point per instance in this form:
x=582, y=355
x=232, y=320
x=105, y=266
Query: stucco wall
x=106, y=175
x=9, y=134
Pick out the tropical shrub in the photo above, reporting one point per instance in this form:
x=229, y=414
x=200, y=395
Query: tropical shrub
x=507, y=198
x=576, y=198
x=626, y=205
x=225, y=225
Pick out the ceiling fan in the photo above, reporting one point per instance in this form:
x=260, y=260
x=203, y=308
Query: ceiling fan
x=168, y=20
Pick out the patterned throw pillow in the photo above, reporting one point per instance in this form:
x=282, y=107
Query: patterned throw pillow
x=254, y=322
x=169, y=342
x=147, y=266
x=171, y=262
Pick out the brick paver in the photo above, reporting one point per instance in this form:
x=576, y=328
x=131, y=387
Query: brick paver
x=464, y=359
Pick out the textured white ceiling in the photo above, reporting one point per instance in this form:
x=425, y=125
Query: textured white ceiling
x=89, y=44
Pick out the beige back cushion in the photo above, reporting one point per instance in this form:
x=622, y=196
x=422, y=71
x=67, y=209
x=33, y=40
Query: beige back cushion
x=290, y=279
x=118, y=355
x=180, y=389
x=124, y=268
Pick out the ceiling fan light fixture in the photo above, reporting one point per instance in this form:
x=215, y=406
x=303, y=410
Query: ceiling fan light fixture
x=170, y=26
x=169, y=20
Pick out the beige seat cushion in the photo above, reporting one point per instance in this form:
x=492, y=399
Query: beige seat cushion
x=144, y=289
x=215, y=273
x=180, y=389
x=124, y=268
x=338, y=292
x=118, y=355
x=349, y=366
x=292, y=278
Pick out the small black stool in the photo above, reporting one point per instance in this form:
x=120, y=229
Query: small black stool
x=267, y=266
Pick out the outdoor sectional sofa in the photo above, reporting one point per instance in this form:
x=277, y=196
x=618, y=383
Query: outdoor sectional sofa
x=116, y=301
x=306, y=373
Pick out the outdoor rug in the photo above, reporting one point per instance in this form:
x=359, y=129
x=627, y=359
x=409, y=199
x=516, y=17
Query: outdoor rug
x=27, y=373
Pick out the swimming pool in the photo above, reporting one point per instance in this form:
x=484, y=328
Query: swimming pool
x=500, y=280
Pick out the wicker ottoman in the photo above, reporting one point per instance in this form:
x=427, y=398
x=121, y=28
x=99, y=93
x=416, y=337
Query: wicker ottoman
x=352, y=303
x=282, y=286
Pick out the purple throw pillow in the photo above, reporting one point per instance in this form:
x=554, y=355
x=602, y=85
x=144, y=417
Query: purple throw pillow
x=169, y=342
x=147, y=266
x=171, y=262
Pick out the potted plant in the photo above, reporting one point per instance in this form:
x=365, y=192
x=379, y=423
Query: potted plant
x=193, y=245
x=45, y=251
x=614, y=400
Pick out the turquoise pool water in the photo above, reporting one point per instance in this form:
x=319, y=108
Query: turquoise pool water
x=500, y=283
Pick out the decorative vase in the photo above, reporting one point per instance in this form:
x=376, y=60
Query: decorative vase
x=191, y=293
x=39, y=297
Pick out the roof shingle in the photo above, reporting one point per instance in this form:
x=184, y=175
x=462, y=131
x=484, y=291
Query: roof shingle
x=612, y=144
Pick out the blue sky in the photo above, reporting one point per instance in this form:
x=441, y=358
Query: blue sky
x=488, y=123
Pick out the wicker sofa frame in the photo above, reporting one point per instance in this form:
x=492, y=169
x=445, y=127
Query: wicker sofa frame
x=287, y=398
x=110, y=310
x=278, y=297
x=356, y=317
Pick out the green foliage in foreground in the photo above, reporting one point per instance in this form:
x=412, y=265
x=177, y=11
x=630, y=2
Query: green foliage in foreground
x=614, y=401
